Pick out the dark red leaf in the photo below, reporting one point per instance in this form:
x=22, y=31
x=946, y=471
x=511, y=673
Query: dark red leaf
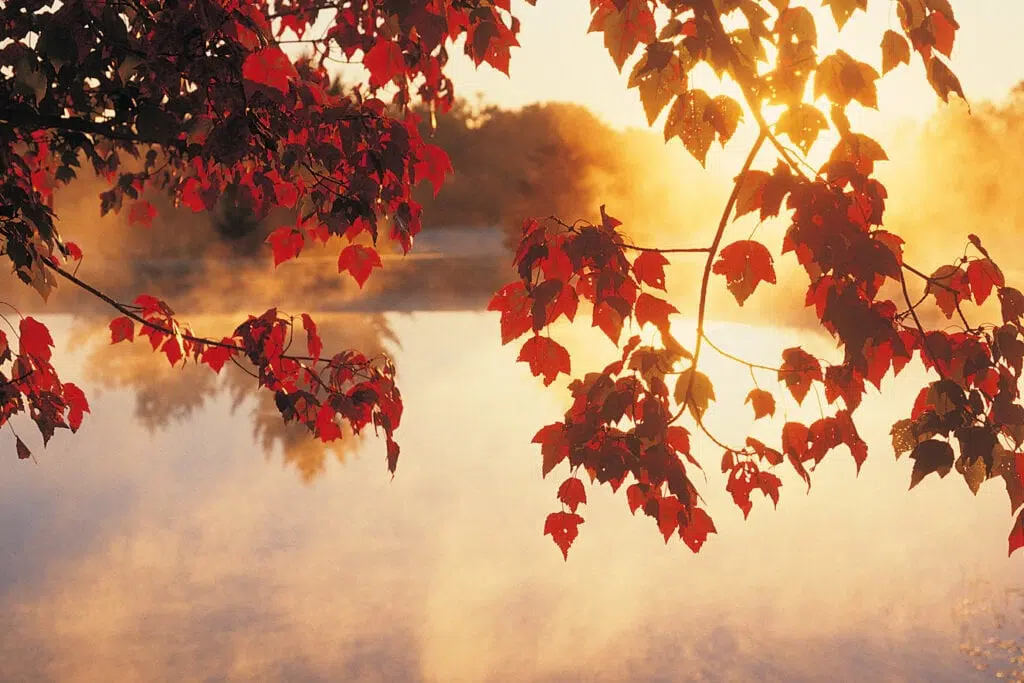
x=217, y=356
x=384, y=61
x=35, y=339
x=122, y=328
x=745, y=264
x=286, y=242
x=553, y=446
x=983, y=275
x=313, y=343
x=651, y=309
x=433, y=166
x=572, y=493
x=563, y=527
x=649, y=269
x=546, y=357
x=798, y=370
x=77, y=405
x=695, y=532
x=514, y=304
x=609, y=320
x=763, y=403
x=931, y=456
x=23, y=452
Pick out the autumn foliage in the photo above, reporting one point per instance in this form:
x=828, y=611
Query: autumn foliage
x=204, y=101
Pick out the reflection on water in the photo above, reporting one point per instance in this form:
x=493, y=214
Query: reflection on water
x=164, y=397
x=155, y=549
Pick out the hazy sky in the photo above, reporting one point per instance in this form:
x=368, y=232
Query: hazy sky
x=559, y=61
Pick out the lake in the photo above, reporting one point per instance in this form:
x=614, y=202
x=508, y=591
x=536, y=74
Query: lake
x=184, y=535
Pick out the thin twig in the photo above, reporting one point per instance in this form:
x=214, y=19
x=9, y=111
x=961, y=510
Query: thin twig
x=920, y=327
x=738, y=359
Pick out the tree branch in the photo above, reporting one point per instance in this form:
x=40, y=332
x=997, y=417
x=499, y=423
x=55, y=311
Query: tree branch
x=35, y=121
x=713, y=250
x=920, y=327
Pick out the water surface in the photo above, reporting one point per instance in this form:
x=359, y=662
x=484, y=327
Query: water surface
x=184, y=539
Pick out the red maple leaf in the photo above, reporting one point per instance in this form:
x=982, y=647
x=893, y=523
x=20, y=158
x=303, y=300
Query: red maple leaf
x=651, y=309
x=554, y=447
x=795, y=440
x=762, y=401
x=313, y=342
x=384, y=61
x=609, y=320
x=546, y=357
x=983, y=275
x=772, y=456
x=77, y=405
x=286, y=242
x=514, y=304
x=798, y=369
x=267, y=68
x=636, y=497
x=563, y=527
x=326, y=428
x=572, y=493
x=433, y=165
x=745, y=264
x=359, y=261
x=172, y=349
x=949, y=285
x=649, y=269
x=217, y=356
x=695, y=532
x=669, y=508
x=35, y=339
x=122, y=328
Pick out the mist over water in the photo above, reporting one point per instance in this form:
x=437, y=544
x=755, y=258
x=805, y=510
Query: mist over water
x=182, y=550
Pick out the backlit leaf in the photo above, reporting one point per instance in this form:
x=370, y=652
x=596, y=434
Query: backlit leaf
x=943, y=80
x=651, y=309
x=563, y=527
x=649, y=269
x=842, y=10
x=687, y=121
x=359, y=261
x=802, y=123
x=286, y=242
x=895, y=51
x=745, y=264
x=984, y=274
x=762, y=402
x=572, y=493
x=698, y=396
x=313, y=343
x=546, y=357
x=122, y=328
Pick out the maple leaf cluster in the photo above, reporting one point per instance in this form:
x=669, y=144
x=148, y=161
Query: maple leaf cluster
x=623, y=424
x=200, y=102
